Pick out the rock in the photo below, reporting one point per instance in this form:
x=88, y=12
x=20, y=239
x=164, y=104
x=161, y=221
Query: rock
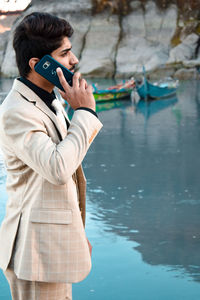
x=141, y=53
x=157, y=56
x=128, y=58
x=160, y=25
x=191, y=63
x=168, y=26
x=145, y=40
x=98, y=56
x=81, y=26
x=61, y=6
x=3, y=42
x=187, y=74
x=9, y=67
x=6, y=24
x=152, y=21
x=185, y=50
x=161, y=72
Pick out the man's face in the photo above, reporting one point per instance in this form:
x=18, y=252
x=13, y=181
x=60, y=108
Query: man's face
x=64, y=55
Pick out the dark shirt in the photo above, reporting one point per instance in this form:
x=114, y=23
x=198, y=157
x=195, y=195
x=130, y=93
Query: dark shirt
x=46, y=96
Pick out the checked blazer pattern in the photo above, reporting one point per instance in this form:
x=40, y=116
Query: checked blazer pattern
x=43, y=230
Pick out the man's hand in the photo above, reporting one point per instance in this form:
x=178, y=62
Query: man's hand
x=80, y=94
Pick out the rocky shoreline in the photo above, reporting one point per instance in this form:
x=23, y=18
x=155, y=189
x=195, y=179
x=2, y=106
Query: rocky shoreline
x=116, y=46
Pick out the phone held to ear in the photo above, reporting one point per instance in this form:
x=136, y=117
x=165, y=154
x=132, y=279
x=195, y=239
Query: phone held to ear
x=47, y=66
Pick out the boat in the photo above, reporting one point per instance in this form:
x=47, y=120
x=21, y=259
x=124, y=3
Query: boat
x=113, y=93
x=147, y=90
x=163, y=89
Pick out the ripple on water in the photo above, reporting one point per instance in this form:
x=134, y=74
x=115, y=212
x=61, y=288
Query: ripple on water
x=189, y=201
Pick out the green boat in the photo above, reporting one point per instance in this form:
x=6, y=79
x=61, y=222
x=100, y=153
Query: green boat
x=117, y=92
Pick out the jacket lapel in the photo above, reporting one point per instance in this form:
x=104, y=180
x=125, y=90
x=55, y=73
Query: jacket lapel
x=30, y=96
x=42, y=106
x=66, y=116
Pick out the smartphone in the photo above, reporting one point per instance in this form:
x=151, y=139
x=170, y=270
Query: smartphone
x=47, y=66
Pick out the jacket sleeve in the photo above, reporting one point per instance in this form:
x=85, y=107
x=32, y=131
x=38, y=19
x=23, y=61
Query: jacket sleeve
x=30, y=142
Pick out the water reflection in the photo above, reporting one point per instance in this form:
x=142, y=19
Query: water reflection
x=146, y=185
x=149, y=108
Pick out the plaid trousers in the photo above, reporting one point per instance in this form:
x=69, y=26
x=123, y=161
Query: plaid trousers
x=35, y=290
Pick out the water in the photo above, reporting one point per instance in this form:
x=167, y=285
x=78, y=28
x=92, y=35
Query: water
x=143, y=200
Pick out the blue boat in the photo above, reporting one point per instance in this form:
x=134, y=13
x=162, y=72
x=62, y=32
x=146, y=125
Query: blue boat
x=147, y=90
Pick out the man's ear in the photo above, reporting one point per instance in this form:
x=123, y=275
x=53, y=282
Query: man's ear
x=32, y=62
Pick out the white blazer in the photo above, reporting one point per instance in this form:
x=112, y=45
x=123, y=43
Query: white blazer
x=46, y=189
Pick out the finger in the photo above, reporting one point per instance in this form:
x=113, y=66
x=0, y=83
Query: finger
x=90, y=88
x=83, y=83
x=76, y=79
x=62, y=79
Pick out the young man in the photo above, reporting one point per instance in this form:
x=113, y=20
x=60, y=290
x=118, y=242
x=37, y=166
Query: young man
x=43, y=244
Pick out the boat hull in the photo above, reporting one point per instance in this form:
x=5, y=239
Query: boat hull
x=110, y=96
x=150, y=91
